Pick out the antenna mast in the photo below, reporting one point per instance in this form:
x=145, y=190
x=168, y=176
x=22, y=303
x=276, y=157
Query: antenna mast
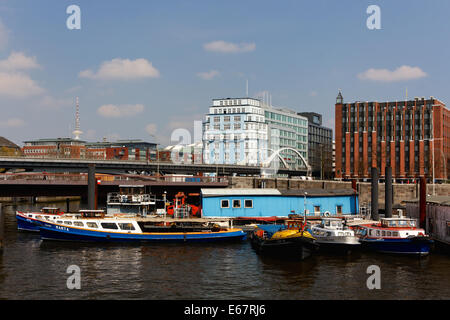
x=77, y=132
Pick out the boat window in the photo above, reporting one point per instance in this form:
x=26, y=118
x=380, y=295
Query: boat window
x=92, y=225
x=126, y=226
x=383, y=233
x=412, y=223
x=340, y=234
x=402, y=223
x=316, y=209
x=78, y=224
x=388, y=233
x=236, y=203
x=224, y=204
x=338, y=209
x=378, y=232
x=69, y=223
x=59, y=221
x=248, y=203
x=109, y=225
x=395, y=234
x=30, y=215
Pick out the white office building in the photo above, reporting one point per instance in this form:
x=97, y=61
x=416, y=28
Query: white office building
x=235, y=132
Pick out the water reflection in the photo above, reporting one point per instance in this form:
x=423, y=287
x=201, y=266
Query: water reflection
x=35, y=269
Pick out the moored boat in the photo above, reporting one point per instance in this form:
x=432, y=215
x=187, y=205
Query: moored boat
x=395, y=235
x=333, y=236
x=126, y=229
x=290, y=240
x=26, y=221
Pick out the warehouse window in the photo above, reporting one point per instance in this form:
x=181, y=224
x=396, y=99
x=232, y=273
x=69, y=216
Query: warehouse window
x=224, y=204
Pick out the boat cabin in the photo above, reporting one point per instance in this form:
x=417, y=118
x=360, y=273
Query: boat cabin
x=92, y=213
x=398, y=223
x=50, y=210
x=332, y=223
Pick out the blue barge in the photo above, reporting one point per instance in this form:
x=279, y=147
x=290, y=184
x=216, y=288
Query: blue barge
x=264, y=203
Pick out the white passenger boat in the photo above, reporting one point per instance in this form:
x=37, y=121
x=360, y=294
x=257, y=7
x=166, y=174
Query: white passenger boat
x=93, y=225
x=333, y=236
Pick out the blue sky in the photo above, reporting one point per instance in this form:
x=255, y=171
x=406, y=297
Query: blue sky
x=142, y=69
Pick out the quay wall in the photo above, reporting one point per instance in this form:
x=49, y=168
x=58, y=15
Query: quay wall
x=401, y=192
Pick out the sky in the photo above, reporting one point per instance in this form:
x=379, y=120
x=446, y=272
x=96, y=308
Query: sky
x=143, y=69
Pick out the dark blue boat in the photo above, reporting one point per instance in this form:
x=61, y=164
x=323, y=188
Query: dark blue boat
x=395, y=235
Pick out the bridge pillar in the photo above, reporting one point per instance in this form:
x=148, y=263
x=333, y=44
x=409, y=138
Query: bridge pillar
x=91, y=186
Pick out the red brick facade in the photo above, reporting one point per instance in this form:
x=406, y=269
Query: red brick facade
x=401, y=134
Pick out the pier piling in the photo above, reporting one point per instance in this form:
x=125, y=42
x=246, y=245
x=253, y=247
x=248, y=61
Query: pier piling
x=388, y=193
x=423, y=202
x=91, y=186
x=374, y=195
x=2, y=227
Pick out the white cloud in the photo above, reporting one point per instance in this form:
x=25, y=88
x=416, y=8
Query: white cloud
x=122, y=69
x=208, y=75
x=52, y=103
x=229, y=47
x=402, y=73
x=12, y=123
x=117, y=111
x=18, y=85
x=18, y=61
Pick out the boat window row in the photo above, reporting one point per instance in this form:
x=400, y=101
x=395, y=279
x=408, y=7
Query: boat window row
x=236, y=203
x=379, y=233
x=105, y=225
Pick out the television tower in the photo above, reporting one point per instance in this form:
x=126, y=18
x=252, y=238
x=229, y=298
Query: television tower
x=77, y=132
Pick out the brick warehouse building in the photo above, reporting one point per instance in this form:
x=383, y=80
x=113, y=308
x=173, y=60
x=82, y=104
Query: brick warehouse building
x=399, y=134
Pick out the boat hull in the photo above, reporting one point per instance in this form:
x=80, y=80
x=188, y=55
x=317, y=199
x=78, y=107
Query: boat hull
x=63, y=233
x=338, y=244
x=409, y=246
x=299, y=247
x=26, y=224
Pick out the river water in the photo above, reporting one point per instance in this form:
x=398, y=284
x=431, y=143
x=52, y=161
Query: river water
x=35, y=269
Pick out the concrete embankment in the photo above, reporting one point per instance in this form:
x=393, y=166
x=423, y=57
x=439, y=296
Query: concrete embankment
x=401, y=192
x=39, y=199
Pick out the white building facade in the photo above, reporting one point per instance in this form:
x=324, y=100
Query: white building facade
x=235, y=132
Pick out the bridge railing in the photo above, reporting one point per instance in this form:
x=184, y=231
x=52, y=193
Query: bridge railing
x=83, y=177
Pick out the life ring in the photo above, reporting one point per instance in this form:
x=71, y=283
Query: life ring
x=326, y=214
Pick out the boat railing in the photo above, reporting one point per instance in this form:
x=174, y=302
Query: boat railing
x=116, y=197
